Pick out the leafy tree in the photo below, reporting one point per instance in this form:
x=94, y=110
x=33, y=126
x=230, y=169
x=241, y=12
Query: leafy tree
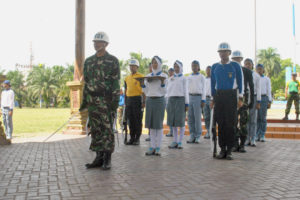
x=271, y=61
x=63, y=95
x=42, y=83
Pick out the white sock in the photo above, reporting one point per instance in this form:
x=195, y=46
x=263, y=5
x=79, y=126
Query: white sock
x=182, y=130
x=175, y=133
x=152, y=137
x=159, y=137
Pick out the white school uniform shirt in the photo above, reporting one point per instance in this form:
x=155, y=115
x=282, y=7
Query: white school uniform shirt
x=207, y=86
x=257, y=85
x=178, y=87
x=7, y=99
x=154, y=88
x=196, y=85
x=266, y=87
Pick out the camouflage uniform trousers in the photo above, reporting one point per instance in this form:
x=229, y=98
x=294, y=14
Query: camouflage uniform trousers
x=101, y=122
x=241, y=131
x=292, y=97
x=243, y=114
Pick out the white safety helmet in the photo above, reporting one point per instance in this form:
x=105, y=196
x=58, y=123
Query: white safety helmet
x=101, y=36
x=237, y=54
x=134, y=62
x=224, y=46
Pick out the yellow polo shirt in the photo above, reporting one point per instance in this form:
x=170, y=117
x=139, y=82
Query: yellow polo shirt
x=133, y=87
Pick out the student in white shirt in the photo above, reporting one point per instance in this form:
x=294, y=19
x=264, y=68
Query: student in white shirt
x=178, y=101
x=7, y=106
x=207, y=109
x=252, y=123
x=196, y=89
x=171, y=74
x=155, y=90
x=266, y=100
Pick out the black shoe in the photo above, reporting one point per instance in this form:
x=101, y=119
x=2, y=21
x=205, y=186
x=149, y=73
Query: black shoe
x=190, y=141
x=214, y=154
x=97, y=162
x=169, y=135
x=242, y=149
x=235, y=149
x=173, y=145
x=130, y=142
x=229, y=156
x=285, y=118
x=137, y=142
x=150, y=152
x=106, y=161
x=222, y=154
x=147, y=139
x=242, y=144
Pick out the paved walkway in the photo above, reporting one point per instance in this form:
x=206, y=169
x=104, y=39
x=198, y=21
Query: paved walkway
x=55, y=170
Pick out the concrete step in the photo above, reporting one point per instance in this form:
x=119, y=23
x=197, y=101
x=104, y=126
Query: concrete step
x=283, y=135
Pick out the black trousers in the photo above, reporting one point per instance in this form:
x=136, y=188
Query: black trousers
x=134, y=116
x=226, y=117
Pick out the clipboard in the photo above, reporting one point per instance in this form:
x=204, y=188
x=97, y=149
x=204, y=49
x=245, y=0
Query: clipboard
x=150, y=78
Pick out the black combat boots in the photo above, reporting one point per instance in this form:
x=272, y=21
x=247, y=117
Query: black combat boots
x=242, y=145
x=106, y=161
x=285, y=117
x=97, y=162
x=222, y=153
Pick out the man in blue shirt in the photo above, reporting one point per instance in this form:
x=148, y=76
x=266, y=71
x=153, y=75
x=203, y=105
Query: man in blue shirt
x=227, y=92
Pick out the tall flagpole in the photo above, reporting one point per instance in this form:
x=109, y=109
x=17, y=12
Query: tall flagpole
x=255, y=35
x=294, y=34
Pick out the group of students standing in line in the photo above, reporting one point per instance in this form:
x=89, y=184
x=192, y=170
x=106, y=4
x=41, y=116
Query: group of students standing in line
x=239, y=96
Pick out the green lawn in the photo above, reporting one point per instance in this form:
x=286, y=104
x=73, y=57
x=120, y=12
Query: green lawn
x=30, y=122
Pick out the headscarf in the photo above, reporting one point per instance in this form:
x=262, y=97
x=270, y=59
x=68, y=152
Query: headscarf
x=156, y=72
x=180, y=68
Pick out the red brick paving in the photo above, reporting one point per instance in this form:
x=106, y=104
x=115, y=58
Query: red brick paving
x=55, y=170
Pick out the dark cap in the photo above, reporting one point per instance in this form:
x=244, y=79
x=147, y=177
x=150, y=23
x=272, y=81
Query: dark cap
x=7, y=82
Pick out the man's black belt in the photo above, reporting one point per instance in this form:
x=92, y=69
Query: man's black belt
x=263, y=95
x=293, y=92
x=226, y=91
x=208, y=96
x=195, y=94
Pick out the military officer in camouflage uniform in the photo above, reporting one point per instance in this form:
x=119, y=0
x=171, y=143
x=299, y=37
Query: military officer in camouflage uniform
x=101, y=98
x=243, y=112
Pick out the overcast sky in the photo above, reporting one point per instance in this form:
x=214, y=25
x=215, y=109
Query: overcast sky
x=173, y=29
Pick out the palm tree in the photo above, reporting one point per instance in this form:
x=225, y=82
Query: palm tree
x=42, y=83
x=271, y=61
x=63, y=92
